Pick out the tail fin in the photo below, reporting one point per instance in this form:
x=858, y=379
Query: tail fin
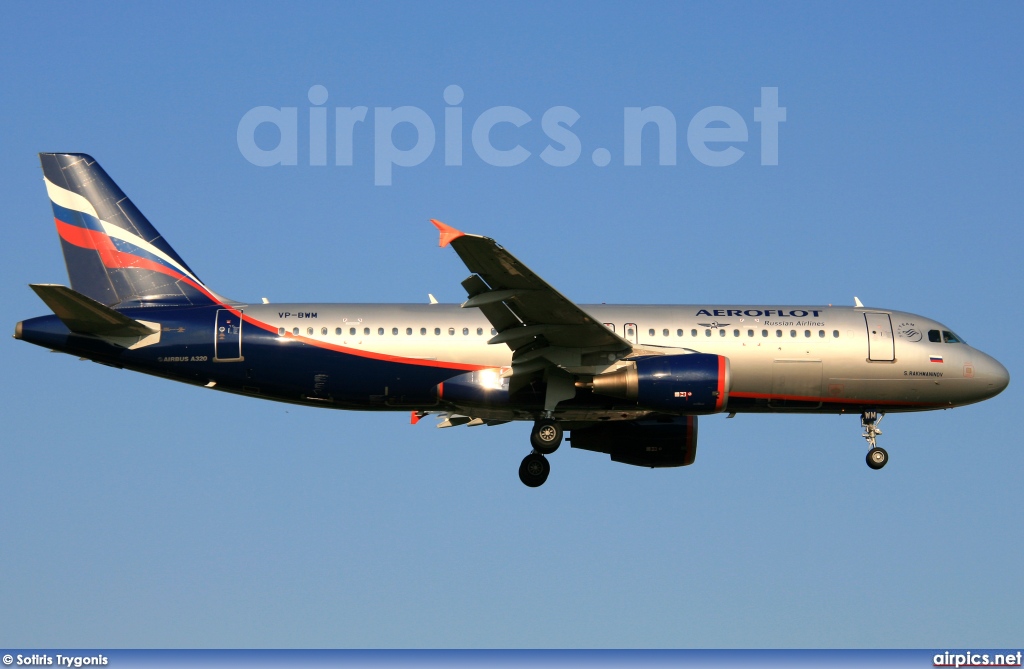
x=113, y=254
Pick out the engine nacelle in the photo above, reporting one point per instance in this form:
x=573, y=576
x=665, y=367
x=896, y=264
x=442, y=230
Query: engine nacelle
x=694, y=383
x=644, y=443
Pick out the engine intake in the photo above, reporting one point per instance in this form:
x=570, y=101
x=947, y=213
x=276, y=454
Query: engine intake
x=694, y=383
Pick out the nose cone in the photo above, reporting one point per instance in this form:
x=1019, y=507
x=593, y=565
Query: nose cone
x=991, y=375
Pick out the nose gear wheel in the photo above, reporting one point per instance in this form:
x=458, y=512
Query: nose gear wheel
x=877, y=457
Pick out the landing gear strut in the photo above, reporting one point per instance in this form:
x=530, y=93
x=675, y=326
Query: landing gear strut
x=545, y=437
x=877, y=457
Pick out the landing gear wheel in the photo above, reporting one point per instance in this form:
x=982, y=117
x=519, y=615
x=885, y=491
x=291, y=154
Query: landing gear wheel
x=877, y=457
x=546, y=436
x=534, y=470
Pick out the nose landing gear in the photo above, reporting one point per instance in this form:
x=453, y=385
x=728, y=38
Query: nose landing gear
x=877, y=457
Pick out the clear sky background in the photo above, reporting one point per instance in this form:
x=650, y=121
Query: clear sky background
x=142, y=513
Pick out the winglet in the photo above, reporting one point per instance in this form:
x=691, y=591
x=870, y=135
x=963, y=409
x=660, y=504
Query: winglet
x=448, y=233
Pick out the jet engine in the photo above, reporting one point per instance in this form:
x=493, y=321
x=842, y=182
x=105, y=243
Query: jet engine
x=644, y=443
x=689, y=384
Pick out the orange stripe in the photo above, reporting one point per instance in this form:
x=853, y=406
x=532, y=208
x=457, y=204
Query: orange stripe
x=838, y=400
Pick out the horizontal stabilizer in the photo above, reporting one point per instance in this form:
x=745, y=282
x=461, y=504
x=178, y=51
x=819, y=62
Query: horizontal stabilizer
x=84, y=315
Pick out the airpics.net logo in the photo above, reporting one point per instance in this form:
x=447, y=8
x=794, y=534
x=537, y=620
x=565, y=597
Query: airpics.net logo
x=713, y=135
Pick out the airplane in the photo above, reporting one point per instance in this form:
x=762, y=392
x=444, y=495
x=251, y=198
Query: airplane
x=629, y=381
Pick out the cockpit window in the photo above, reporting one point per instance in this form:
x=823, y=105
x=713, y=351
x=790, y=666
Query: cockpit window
x=944, y=337
x=951, y=338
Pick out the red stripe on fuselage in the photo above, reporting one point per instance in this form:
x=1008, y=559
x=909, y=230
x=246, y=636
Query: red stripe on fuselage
x=115, y=259
x=385, y=357
x=834, y=400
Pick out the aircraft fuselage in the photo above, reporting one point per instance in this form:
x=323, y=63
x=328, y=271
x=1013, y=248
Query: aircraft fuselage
x=821, y=359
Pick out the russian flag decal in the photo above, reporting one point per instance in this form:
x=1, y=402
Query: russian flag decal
x=935, y=358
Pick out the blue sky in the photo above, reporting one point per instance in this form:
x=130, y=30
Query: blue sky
x=135, y=512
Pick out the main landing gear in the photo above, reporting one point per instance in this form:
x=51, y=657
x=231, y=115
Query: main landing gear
x=877, y=457
x=545, y=438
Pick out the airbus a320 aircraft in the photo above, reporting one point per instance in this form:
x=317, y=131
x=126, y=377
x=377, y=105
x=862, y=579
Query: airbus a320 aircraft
x=628, y=381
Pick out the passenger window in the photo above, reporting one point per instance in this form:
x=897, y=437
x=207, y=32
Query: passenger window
x=778, y=333
x=337, y=331
x=323, y=331
x=295, y=331
x=380, y=331
x=664, y=333
x=629, y=332
x=750, y=333
x=721, y=333
x=951, y=338
x=366, y=331
x=679, y=332
x=807, y=333
x=693, y=333
x=408, y=331
x=394, y=331
x=650, y=332
x=437, y=331
x=792, y=333
x=479, y=331
x=934, y=337
x=451, y=331
x=707, y=333
x=465, y=331
x=735, y=333
x=309, y=331
x=821, y=334
x=835, y=334
x=280, y=332
x=764, y=333
x=493, y=332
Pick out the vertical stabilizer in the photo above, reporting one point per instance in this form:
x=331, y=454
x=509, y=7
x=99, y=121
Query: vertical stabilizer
x=113, y=254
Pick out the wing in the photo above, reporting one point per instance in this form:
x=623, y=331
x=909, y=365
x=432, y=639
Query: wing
x=546, y=331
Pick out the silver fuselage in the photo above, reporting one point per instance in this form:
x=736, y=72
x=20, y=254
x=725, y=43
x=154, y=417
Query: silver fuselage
x=804, y=358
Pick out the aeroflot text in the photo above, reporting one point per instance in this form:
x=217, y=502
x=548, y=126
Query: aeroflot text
x=782, y=313
x=712, y=134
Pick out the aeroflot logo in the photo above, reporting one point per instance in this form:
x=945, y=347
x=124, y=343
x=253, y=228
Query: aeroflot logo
x=269, y=136
x=792, y=313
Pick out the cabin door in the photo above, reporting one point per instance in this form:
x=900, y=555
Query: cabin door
x=880, y=342
x=227, y=337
